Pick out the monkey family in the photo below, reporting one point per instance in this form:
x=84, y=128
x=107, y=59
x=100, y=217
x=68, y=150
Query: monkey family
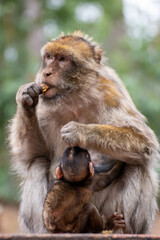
x=66, y=207
x=85, y=105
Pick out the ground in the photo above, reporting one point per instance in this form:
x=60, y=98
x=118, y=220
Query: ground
x=9, y=220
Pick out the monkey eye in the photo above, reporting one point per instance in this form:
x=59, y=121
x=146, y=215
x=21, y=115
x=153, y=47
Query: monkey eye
x=62, y=59
x=48, y=58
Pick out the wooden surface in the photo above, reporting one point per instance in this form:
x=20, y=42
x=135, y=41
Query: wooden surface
x=79, y=237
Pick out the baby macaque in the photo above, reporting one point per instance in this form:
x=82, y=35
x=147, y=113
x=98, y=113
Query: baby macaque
x=66, y=208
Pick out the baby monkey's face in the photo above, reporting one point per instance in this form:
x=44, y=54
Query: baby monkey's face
x=75, y=165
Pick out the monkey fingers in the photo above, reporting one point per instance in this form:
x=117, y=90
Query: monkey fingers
x=118, y=216
x=115, y=221
x=118, y=220
x=70, y=133
x=27, y=96
x=119, y=224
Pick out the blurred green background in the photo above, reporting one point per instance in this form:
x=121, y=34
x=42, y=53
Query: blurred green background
x=127, y=30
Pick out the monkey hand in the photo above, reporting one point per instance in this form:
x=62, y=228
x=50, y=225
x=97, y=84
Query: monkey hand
x=116, y=221
x=73, y=133
x=27, y=97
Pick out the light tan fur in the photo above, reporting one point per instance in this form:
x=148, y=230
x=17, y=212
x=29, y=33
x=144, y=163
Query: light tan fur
x=96, y=113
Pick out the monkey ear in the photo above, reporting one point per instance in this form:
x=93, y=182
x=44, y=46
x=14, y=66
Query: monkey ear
x=59, y=173
x=97, y=54
x=91, y=169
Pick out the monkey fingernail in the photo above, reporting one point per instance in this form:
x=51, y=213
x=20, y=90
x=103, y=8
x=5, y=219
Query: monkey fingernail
x=115, y=214
x=44, y=87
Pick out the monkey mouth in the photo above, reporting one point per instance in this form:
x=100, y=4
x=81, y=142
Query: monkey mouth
x=49, y=85
x=51, y=91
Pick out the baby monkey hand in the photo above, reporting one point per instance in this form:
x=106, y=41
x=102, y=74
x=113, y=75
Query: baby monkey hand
x=116, y=221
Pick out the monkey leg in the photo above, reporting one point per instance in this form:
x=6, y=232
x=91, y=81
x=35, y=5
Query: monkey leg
x=33, y=194
x=89, y=220
x=140, y=207
x=133, y=194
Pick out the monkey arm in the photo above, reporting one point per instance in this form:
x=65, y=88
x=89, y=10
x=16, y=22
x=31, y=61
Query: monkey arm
x=122, y=143
x=103, y=180
x=30, y=159
x=26, y=140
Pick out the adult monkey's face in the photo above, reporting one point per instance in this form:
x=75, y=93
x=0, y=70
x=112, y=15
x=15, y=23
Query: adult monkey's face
x=66, y=65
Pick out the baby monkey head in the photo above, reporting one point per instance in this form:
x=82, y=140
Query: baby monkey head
x=74, y=165
x=68, y=62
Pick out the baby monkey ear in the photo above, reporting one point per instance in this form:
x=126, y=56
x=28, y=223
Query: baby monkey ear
x=91, y=169
x=97, y=54
x=59, y=173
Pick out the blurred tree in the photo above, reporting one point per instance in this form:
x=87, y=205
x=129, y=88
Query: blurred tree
x=26, y=25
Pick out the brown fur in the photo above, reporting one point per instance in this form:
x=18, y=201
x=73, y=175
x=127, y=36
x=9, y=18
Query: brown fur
x=66, y=210
x=67, y=207
x=79, y=111
x=111, y=93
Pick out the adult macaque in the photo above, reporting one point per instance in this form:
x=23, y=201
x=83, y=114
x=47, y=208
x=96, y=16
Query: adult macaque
x=86, y=105
x=66, y=207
